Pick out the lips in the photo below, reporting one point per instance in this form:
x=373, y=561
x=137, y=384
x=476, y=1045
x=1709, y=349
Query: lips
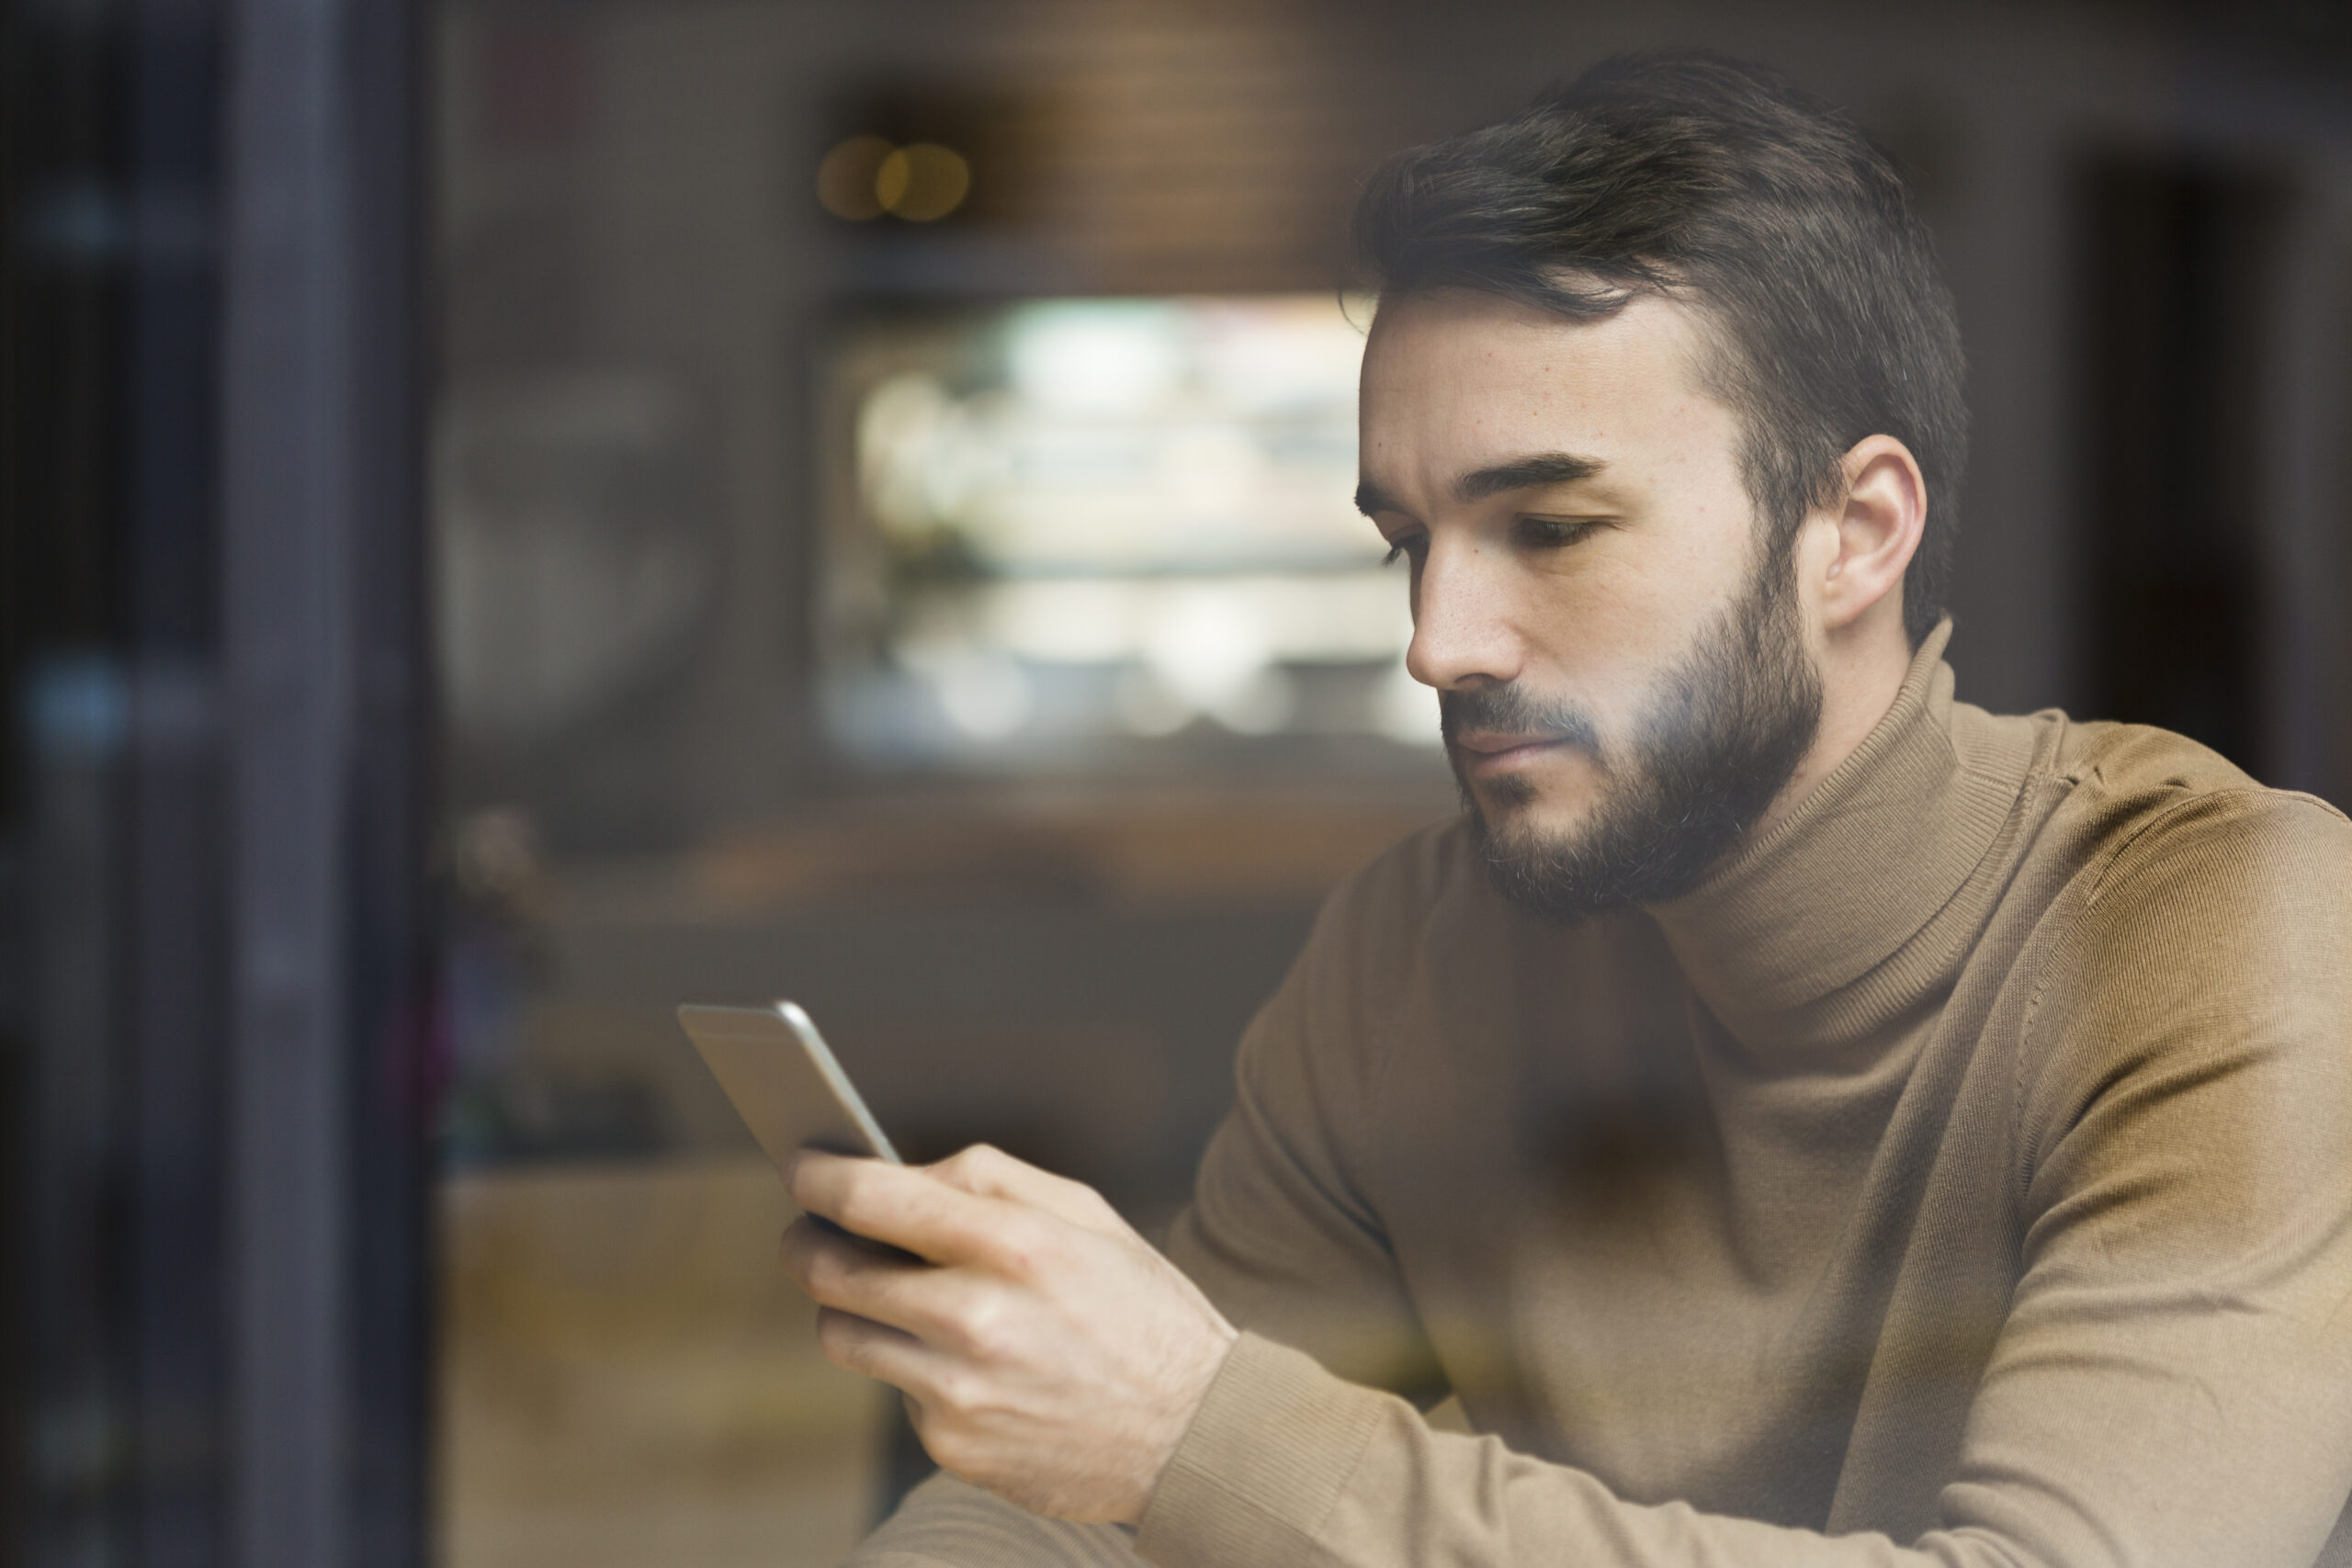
x=1492, y=731
x=1487, y=752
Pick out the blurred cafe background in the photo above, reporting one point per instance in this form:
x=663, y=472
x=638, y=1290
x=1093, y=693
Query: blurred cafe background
x=514, y=516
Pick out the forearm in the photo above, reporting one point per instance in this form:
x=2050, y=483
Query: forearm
x=1287, y=1466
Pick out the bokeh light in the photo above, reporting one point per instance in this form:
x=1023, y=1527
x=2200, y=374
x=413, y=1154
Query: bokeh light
x=922, y=183
x=865, y=176
x=845, y=179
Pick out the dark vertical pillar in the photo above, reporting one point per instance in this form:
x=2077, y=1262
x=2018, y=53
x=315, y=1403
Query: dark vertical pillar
x=287, y=530
x=2181, y=273
x=64, y=439
x=173, y=1033
x=390, y=982
x=2309, y=664
x=320, y=542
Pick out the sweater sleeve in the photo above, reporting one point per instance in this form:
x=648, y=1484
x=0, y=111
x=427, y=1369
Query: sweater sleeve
x=948, y=1523
x=2172, y=1387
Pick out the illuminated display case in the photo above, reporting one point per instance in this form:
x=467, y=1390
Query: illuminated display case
x=1065, y=532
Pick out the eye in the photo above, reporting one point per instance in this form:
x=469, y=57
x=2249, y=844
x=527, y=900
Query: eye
x=1411, y=545
x=1554, y=533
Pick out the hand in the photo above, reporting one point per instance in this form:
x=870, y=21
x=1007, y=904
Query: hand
x=1046, y=1351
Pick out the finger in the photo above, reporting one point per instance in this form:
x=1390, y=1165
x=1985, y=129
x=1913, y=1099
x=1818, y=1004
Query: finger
x=928, y=1385
x=987, y=1172
x=905, y=1207
x=876, y=1350
x=849, y=1275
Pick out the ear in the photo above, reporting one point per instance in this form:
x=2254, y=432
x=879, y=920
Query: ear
x=1877, y=528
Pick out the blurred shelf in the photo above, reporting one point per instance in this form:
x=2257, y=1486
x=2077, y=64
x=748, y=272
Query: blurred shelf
x=1173, y=850
x=628, y=1378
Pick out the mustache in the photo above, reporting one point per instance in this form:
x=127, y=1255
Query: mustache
x=1508, y=709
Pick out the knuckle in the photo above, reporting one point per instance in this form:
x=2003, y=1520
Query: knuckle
x=954, y=1396
x=969, y=1167
x=982, y=1328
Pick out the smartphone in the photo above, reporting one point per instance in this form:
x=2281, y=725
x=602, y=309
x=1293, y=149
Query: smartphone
x=784, y=1082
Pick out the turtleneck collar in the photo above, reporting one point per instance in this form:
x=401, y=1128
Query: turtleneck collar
x=1863, y=901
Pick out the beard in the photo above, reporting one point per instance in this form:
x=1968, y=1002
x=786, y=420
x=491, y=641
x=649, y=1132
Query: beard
x=1721, y=738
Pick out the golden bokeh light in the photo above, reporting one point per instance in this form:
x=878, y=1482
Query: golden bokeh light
x=923, y=182
x=846, y=180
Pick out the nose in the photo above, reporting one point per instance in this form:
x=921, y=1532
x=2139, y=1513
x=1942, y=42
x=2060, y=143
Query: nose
x=1464, y=630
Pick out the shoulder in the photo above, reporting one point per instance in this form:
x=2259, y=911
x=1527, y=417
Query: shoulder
x=2205, y=931
x=2159, y=815
x=2226, y=892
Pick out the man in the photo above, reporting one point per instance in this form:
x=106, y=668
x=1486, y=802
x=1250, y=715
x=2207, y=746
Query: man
x=1803, y=1119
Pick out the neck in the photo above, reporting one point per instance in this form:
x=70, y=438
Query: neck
x=1862, y=674
x=1787, y=942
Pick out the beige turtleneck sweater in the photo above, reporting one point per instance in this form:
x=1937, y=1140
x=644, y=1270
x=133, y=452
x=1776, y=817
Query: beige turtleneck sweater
x=1961, y=1176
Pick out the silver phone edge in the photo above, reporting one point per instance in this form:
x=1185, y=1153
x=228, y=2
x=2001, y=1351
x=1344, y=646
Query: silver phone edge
x=804, y=1028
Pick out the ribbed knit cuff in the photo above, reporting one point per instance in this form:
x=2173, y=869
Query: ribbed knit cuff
x=1262, y=1464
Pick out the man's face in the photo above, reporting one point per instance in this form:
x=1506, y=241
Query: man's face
x=1624, y=683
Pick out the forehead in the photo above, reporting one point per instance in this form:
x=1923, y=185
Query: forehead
x=1459, y=378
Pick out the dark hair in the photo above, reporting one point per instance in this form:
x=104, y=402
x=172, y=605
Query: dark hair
x=1693, y=174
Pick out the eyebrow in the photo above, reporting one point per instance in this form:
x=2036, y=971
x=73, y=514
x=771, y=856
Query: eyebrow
x=1525, y=473
x=1520, y=473
x=1372, y=500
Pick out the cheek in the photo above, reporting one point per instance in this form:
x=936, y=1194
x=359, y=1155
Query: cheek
x=1605, y=634
x=1631, y=610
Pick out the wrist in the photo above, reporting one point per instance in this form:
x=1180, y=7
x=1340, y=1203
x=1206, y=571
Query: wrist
x=1266, y=1460
x=1190, y=1391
